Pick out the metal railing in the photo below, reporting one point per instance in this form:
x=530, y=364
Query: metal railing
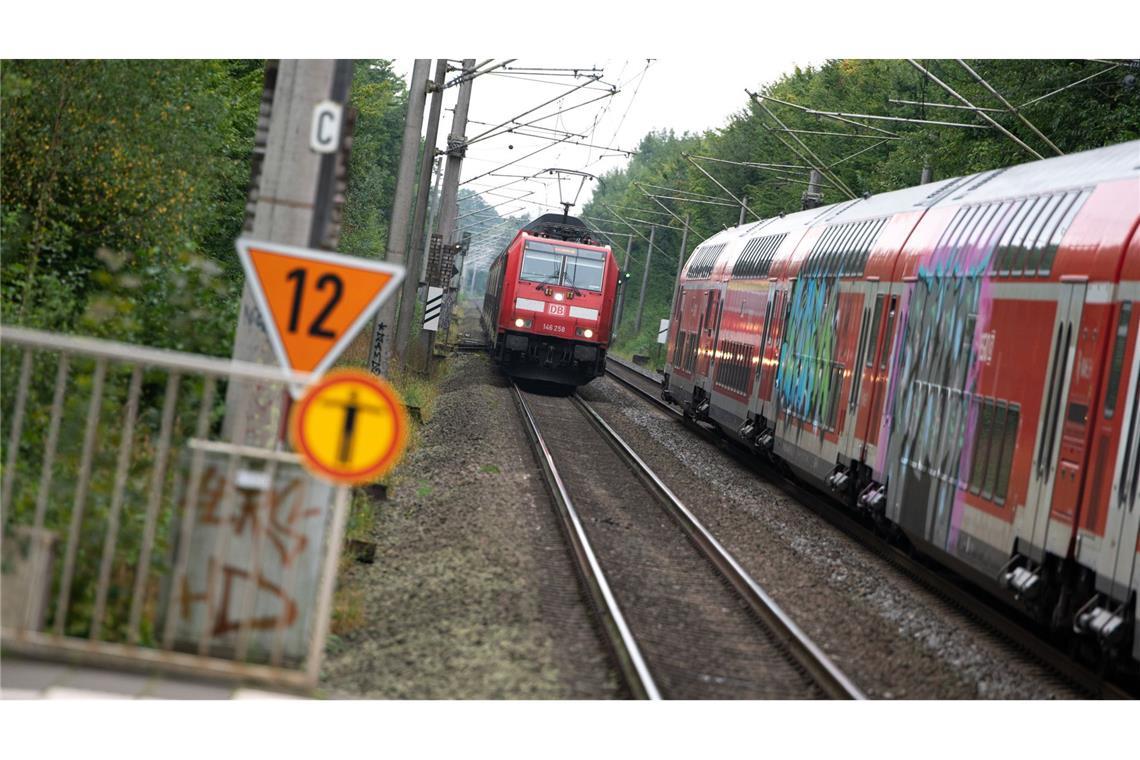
x=136, y=532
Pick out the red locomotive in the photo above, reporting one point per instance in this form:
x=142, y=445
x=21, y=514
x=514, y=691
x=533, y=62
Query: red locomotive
x=549, y=306
x=959, y=360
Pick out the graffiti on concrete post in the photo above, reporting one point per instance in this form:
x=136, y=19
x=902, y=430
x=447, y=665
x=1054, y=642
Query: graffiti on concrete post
x=255, y=553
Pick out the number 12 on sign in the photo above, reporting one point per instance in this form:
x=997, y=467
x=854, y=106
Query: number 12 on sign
x=313, y=303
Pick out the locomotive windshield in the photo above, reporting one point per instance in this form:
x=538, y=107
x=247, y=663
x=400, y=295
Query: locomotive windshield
x=563, y=265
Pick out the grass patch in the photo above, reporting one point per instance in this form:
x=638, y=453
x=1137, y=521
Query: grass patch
x=490, y=469
x=361, y=515
x=348, y=609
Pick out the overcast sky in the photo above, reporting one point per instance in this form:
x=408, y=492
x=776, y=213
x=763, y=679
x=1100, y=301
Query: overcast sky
x=648, y=99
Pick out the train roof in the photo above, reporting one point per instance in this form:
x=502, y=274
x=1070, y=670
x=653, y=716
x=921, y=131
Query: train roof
x=561, y=227
x=1076, y=170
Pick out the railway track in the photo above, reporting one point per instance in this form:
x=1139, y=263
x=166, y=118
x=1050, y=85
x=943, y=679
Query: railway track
x=683, y=618
x=958, y=593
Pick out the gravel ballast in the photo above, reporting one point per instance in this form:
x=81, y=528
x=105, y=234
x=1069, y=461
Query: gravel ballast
x=472, y=594
x=891, y=636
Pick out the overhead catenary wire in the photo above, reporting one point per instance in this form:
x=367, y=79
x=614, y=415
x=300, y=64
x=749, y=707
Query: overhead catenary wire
x=765, y=167
x=511, y=163
x=758, y=96
x=627, y=153
x=495, y=206
x=954, y=106
x=1068, y=86
x=659, y=203
x=1013, y=110
x=648, y=222
x=856, y=153
x=818, y=165
x=727, y=192
x=686, y=192
x=485, y=135
x=983, y=114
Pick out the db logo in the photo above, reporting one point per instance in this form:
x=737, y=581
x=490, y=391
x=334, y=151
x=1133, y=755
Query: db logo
x=557, y=310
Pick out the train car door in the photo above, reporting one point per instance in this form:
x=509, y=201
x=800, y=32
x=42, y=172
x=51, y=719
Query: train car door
x=710, y=324
x=1117, y=569
x=884, y=305
x=774, y=315
x=1047, y=454
x=864, y=354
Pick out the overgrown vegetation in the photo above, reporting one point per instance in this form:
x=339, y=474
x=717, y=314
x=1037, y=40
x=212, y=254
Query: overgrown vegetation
x=1101, y=111
x=124, y=187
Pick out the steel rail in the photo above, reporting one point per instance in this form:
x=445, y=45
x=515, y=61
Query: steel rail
x=625, y=648
x=802, y=649
x=998, y=621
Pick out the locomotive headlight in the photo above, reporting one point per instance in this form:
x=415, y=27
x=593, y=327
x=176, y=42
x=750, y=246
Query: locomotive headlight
x=520, y=322
x=585, y=332
x=558, y=296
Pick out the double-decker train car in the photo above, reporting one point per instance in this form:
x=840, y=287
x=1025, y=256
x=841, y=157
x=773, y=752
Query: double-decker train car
x=549, y=306
x=959, y=360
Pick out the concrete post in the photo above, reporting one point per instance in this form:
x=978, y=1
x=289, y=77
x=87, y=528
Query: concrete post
x=644, y=281
x=294, y=199
x=680, y=260
x=417, y=256
x=385, y=321
x=448, y=200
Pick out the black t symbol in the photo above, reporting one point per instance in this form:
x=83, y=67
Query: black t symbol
x=351, y=409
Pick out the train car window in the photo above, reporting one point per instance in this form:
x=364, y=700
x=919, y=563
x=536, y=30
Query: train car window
x=876, y=320
x=837, y=251
x=1017, y=246
x=978, y=457
x=967, y=234
x=994, y=433
x=860, y=353
x=1045, y=265
x=865, y=250
x=1008, y=446
x=826, y=240
x=981, y=231
x=984, y=241
x=1117, y=363
x=1026, y=262
x=834, y=388
x=851, y=255
x=701, y=265
x=1040, y=242
x=1001, y=258
x=966, y=347
x=859, y=244
x=1054, y=411
x=886, y=352
x=583, y=273
x=958, y=236
x=541, y=267
x=946, y=239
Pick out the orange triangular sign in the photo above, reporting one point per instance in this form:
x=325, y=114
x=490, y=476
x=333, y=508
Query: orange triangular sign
x=313, y=302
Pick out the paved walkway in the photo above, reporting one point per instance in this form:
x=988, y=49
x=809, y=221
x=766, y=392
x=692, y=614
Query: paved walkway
x=33, y=679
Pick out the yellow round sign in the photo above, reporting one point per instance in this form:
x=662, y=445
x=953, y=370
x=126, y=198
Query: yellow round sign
x=350, y=427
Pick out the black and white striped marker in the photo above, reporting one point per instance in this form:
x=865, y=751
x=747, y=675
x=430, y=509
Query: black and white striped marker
x=433, y=308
